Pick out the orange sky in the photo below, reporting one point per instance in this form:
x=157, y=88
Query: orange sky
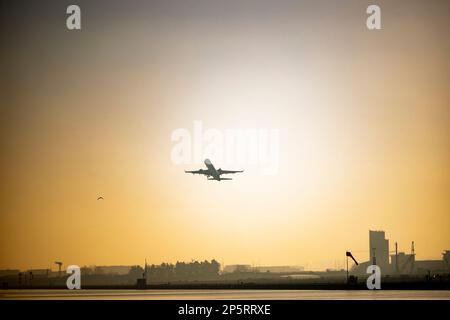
x=363, y=118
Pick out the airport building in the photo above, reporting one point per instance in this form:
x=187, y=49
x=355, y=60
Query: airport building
x=237, y=268
x=280, y=269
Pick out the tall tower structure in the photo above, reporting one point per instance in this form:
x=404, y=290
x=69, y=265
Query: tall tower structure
x=379, y=250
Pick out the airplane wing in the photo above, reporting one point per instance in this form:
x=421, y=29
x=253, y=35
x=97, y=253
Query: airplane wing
x=229, y=171
x=201, y=171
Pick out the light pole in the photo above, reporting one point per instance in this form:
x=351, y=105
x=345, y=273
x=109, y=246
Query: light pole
x=347, y=255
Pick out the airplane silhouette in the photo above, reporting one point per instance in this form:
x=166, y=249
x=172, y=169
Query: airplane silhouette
x=212, y=173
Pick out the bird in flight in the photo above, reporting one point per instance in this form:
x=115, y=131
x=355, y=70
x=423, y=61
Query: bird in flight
x=100, y=198
x=212, y=173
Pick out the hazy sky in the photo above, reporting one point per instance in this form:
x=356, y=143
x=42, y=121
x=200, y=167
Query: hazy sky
x=363, y=117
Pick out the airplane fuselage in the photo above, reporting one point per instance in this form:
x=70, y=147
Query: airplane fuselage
x=212, y=171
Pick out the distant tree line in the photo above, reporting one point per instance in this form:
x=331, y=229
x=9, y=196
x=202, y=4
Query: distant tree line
x=180, y=270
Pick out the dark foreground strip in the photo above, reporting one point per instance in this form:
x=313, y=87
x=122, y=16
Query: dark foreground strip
x=223, y=309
